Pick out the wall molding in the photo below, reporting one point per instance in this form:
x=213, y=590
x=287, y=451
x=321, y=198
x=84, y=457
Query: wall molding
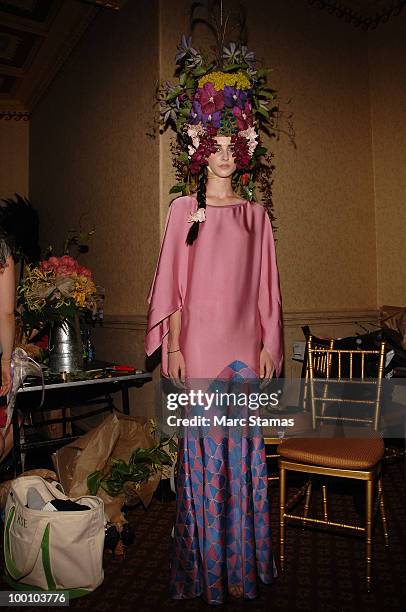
x=125, y=322
x=138, y=322
x=14, y=115
x=379, y=13
x=333, y=317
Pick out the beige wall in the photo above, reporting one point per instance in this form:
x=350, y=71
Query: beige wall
x=93, y=163
x=14, y=137
x=324, y=187
x=387, y=59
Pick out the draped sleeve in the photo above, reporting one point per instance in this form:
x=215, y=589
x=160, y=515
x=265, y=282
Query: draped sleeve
x=168, y=287
x=269, y=299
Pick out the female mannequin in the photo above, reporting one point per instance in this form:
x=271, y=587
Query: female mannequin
x=215, y=307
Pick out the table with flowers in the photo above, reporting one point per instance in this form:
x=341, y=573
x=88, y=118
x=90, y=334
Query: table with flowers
x=58, y=302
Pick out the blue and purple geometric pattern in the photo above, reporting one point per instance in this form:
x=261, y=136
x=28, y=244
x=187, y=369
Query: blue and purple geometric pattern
x=222, y=529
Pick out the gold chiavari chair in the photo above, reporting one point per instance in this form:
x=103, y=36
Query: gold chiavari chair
x=321, y=368
x=321, y=364
x=356, y=458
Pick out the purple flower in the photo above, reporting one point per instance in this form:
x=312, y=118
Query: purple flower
x=214, y=119
x=196, y=114
x=234, y=97
x=186, y=53
x=210, y=99
x=248, y=56
x=231, y=54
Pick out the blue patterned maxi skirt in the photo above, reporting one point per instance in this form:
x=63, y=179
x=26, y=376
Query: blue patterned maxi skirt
x=222, y=529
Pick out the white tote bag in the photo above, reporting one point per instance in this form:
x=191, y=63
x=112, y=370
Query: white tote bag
x=53, y=551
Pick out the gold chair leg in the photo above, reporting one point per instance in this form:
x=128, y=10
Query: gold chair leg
x=382, y=512
x=325, y=513
x=368, y=531
x=307, y=501
x=282, y=503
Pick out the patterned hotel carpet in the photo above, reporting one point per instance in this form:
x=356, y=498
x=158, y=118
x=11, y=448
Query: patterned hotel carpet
x=325, y=572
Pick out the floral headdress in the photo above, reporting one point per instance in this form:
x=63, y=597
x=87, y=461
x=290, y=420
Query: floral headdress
x=218, y=98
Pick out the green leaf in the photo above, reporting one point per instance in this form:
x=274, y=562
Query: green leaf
x=173, y=447
x=183, y=157
x=263, y=93
x=263, y=112
x=231, y=67
x=111, y=487
x=260, y=151
x=199, y=72
x=174, y=94
x=118, y=463
x=262, y=72
x=93, y=482
x=247, y=193
x=121, y=472
x=177, y=188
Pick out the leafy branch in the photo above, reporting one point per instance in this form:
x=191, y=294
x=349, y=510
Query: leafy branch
x=142, y=464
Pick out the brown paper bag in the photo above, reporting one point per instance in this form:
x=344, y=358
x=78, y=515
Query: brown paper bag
x=116, y=437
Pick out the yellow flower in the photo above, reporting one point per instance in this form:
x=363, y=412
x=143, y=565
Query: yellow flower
x=84, y=291
x=221, y=79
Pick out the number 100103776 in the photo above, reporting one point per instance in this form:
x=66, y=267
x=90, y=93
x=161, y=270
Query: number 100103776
x=34, y=598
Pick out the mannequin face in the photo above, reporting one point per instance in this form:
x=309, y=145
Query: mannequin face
x=222, y=162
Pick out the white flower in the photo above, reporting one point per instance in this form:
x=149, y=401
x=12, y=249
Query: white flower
x=199, y=215
x=194, y=131
x=251, y=135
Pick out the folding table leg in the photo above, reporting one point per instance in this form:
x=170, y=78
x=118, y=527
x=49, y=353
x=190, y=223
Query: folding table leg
x=125, y=399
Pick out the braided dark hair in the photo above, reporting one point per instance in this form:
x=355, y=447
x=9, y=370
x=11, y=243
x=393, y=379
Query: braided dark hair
x=201, y=203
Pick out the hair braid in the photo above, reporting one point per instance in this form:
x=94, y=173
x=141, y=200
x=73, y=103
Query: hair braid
x=201, y=203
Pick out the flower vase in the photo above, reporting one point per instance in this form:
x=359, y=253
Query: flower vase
x=65, y=346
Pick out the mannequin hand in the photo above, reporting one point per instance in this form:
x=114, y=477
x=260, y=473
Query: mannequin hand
x=266, y=368
x=176, y=368
x=5, y=378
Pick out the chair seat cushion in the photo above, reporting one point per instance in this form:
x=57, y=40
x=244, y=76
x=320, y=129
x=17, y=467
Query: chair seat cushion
x=340, y=453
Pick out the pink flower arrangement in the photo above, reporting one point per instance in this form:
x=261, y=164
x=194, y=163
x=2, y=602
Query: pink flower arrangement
x=64, y=266
x=59, y=286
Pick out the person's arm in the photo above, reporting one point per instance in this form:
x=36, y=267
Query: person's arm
x=270, y=306
x=174, y=330
x=7, y=322
x=176, y=362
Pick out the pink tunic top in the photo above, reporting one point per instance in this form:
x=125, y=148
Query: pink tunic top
x=226, y=285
